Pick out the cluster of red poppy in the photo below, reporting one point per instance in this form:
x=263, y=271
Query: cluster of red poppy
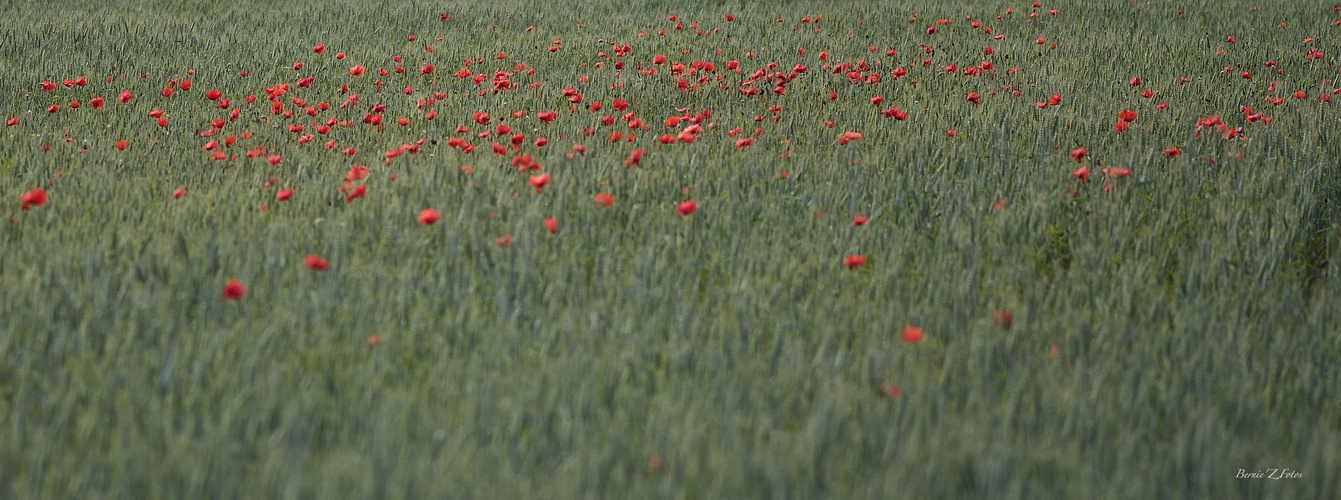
x=628, y=122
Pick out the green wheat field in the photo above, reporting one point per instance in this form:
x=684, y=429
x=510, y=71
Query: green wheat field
x=599, y=249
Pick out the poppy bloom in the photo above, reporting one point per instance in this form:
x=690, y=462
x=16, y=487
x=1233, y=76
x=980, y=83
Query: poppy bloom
x=1002, y=318
x=122, y=145
x=604, y=199
x=125, y=97
x=284, y=195
x=233, y=290
x=1078, y=154
x=316, y=263
x=1127, y=116
x=273, y=159
x=504, y=241
x=1120, y=126
x=912, y=334
x=687, y=207
x=178, y=193
x=357, y=192
x=429, y=216
x=973, y=97
x=1000, y=204
x=854, y=261
x=319, y=49
x=858, y=220
x=11, y=122
x=357, y=70
x=357, y=173
x=1172, y=152
x=96, y=102
x=36, y=198
x=552, y=225
x=849, y=136
x=1117, y=172
x=539, y=182
x=1082, y=173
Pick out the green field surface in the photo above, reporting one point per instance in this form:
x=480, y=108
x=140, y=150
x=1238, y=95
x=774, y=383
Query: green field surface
x=935, y=249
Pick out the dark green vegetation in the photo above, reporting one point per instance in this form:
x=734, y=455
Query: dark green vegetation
x=1193, y=306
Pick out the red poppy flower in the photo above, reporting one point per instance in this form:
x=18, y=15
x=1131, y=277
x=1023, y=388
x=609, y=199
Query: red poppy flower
x=316, y=263
x=1002, y=318
x=429, y=216
x=912, y=334
x=973, y=97
x=1120, y=126
x=604, y=199
x=96, y=102
x=1117, y=172
x=233, y=290
x=122, y=145
x=357, y=70
x=635, y=158
x=274, y=159
x=178, y=193
x=687, y=207
x=858, y=220
x=1127, y=115
x=284, y=195
x=1078, y=154
x=539, y=182
x=849, y=136
x=35, y=198
x=504, y=241
x=1172, y=152
x=357, y=173
x=1082, y=173
x=854, y=261
x=11, y=122
x=125, y=97
x=357, y=192
x=319, y=49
